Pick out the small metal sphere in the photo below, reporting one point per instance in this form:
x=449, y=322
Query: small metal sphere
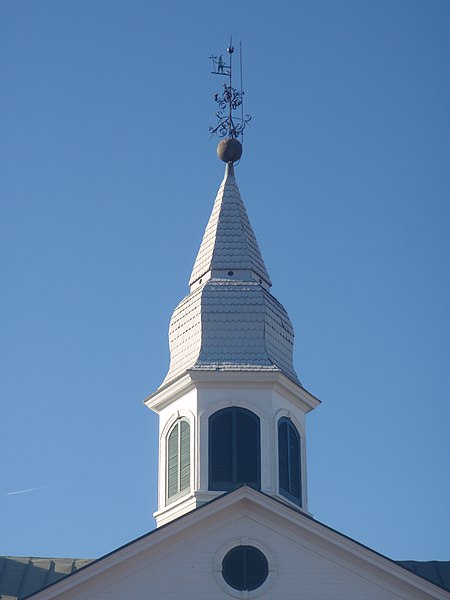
x=229, y=150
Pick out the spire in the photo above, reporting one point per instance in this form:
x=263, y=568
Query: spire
x=229, y=321
x=229, y=247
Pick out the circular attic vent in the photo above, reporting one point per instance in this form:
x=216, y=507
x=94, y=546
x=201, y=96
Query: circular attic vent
x=245, y=568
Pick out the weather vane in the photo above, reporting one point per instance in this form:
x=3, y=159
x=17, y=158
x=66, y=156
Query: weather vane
x=230, y=99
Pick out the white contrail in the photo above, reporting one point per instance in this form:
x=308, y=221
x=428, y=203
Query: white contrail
x=42, y=487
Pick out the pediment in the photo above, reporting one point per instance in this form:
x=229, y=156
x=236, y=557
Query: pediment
x=183, y=559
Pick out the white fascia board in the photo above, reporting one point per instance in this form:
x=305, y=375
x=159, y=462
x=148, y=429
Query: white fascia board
x=169, y=393
x=251, y=379
x=297, y=393
x=203, y=378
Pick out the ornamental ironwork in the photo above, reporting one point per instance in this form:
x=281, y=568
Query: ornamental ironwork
x=231, y=120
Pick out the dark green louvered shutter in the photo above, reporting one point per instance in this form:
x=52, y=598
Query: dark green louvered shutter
x=294, y=462
x=172, y=462
x=247, y=448
x=289, y=461
x=221, y=449
x=283, y=455
x=245, y=568
x=185, y=456
x=178, y=459
x=234, y=449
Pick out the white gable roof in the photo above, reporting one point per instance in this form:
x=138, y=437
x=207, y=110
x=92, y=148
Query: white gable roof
x=182, y=560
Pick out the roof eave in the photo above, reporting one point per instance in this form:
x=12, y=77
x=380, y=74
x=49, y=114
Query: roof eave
x=193, y=378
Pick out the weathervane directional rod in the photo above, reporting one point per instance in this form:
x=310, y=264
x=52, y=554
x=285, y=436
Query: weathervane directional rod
x=229, y=100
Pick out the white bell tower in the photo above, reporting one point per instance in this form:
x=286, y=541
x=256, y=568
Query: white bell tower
x=231, y=408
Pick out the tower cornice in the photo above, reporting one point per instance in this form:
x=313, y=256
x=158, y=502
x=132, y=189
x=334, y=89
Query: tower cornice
x=198, y=379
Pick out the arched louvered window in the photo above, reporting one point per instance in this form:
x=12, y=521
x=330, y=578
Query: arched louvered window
x=289, y=461
x=178, y=460
x=234, y=449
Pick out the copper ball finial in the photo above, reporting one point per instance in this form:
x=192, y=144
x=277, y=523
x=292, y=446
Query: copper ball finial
x=229, y=150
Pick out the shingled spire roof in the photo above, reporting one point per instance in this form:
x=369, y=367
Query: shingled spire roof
x=229, y=243
x=230, y=321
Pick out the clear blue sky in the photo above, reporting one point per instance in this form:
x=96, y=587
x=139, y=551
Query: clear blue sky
x=107, y=178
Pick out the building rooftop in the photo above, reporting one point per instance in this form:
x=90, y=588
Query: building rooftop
x=22, y=576
x=436, y=571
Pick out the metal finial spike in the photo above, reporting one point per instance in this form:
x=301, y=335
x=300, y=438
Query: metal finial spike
x=230, y=48
x=229, y=100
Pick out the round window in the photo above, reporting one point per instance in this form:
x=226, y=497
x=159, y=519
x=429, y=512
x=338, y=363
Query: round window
x=245, y=568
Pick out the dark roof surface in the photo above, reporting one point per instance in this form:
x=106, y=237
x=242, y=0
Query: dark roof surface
x=22, y=576
x=436, y=571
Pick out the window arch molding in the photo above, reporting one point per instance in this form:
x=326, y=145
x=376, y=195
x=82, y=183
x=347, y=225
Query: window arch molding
x=234, y=432
x=290, y=453
x=265, y=421
x=287, y=414
x=176, y=417
x=234, y=402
